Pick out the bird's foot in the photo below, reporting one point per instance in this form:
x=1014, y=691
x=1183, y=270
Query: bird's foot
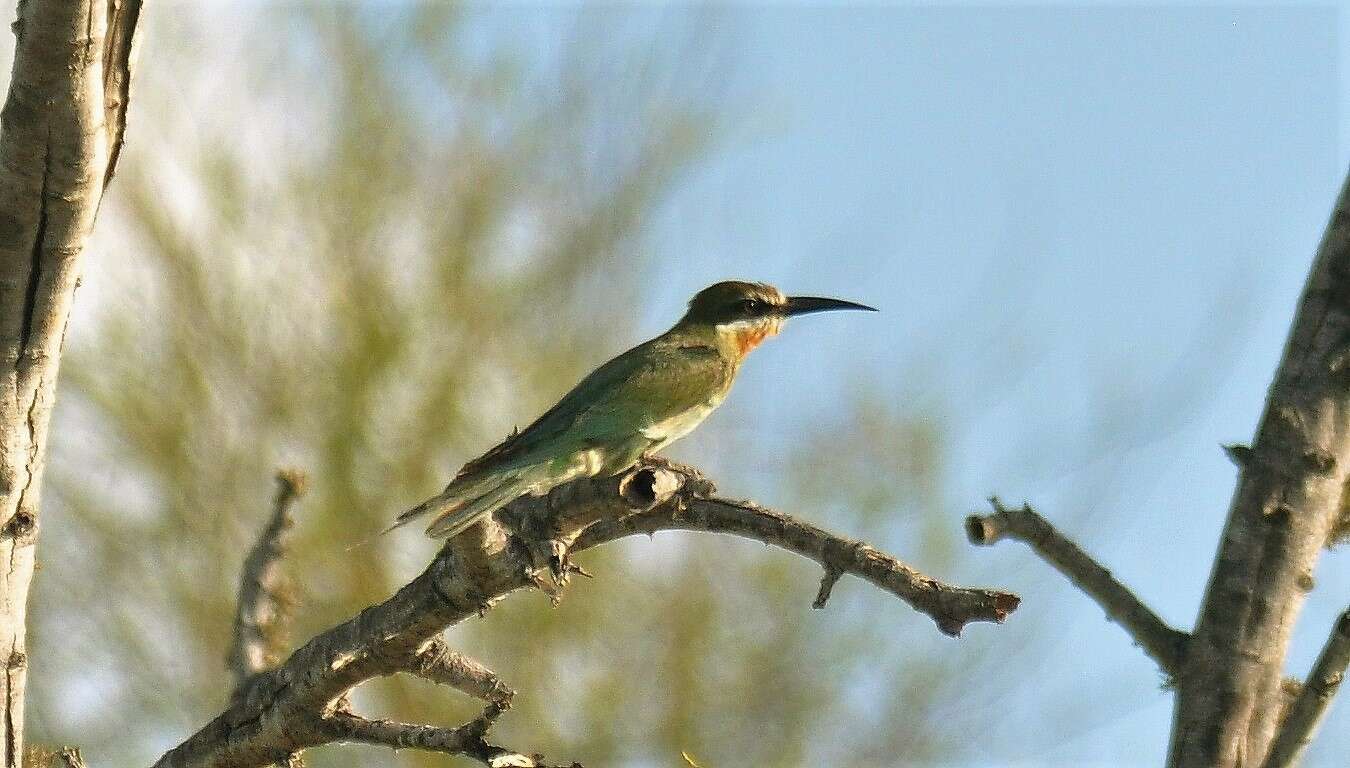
x=560, y=563
x=558, y=560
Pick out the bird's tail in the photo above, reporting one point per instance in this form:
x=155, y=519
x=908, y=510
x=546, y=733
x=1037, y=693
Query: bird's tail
x=465, y=501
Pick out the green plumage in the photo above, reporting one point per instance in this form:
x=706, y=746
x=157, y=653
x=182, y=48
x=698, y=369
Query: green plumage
x=640, y=401
x=632, y=404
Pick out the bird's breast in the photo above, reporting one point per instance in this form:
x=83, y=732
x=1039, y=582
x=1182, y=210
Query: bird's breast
x=675, y=427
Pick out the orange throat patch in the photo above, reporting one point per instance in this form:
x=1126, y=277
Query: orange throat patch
x=748, y=337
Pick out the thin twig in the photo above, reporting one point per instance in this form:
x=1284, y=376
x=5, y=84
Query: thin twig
x=1162, y=643
x=1308, y=710
x=950, y=607
x=468, y=740
x=261, y=611
x=345, y=726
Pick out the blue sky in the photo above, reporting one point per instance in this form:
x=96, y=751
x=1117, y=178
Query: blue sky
x=1087, y=229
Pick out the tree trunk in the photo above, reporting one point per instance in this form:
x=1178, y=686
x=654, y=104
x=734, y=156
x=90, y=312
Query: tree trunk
x=60, y=133
x=1229, y=698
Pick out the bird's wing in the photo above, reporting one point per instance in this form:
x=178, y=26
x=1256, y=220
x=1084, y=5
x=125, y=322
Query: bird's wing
x=643, y=386
x=669, y=384
x=611, y=407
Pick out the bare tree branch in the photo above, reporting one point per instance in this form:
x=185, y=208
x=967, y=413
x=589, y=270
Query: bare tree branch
x=468, y=740
x=259, y=625
x=36, y=756
x=437, y=663
x=1305, y=716
x=259, y=619
x=290, y=708
x=1282, y=514
x=1162, y=643
x=60, y=130
x=950, y=607
x=345, y=726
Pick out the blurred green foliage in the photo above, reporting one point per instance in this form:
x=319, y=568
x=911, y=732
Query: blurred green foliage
x=427, y=246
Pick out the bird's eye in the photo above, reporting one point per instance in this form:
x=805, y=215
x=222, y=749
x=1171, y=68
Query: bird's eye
x=749, y=306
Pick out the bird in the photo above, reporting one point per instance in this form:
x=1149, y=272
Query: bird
x=634, y=405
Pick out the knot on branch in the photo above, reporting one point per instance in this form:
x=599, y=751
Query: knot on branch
x=646, y=486
x=1340, y=525
x=1319, y=462
x=569, y=509
x=985, y=530
x=1248, y=459
x=835, y=556
x=20, y=528
x=1239, y=454
x=827, y=582
x=547, y=527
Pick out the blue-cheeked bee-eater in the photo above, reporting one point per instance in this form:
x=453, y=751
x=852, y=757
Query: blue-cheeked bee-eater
x=639, y=402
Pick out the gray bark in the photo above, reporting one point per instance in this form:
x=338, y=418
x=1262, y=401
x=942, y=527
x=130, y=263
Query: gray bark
x=1292, y=500
x=60, y=134
x=1288, y=496
x=1310, y=707
x=1162, y=643
x=261, y=612
x=304, y=701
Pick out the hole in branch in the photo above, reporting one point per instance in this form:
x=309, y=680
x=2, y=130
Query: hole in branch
x=646, y=487
x=983, y=530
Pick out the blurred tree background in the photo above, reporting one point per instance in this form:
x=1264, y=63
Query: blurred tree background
x=368, y=239
x=428, y=246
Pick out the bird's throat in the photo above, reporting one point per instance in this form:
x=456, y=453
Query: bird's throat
x=748, y=340
x=740, y=338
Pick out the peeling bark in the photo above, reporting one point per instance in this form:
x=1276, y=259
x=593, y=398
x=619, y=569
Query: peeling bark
x=60, y=131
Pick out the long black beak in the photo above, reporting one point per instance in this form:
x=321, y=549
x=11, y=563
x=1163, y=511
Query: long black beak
x=803, y=305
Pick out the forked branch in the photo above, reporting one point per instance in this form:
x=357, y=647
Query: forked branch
x=949, y=606
x=301, y=703
x=1300, y=725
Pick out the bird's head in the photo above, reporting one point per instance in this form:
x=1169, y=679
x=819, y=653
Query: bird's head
x=743, y=314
